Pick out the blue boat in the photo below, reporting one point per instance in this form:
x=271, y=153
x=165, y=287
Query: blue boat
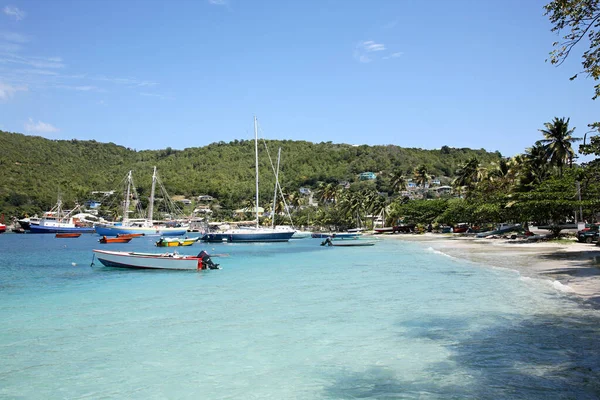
x=59, y=221
x=248, y=235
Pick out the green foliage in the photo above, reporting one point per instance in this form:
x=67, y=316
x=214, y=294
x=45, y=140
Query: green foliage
x=35, y=170
x=576, y=21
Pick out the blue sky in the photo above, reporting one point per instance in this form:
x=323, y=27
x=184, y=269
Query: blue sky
x=151, y=74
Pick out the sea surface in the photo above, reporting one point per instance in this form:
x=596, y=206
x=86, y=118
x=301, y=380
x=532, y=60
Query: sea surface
x=286, y=321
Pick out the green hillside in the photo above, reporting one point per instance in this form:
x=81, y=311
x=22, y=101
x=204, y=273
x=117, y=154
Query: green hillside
x=34, y=169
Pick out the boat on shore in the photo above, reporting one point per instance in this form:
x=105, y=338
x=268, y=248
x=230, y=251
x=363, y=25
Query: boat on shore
x=105, y=239
x=58, y=221
x=248, y=235
x=146, y=226
x=173, y=261
x=67, y=235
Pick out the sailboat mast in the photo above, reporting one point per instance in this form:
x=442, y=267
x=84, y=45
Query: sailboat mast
x=127, y=195
x=275, y=194
x=151, y=205
x=256, y=157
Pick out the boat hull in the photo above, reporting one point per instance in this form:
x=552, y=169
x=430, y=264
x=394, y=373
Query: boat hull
x=249, y=237
x=123, y=259
x=68, y=235
x=59, y=229
x=175, y=242
x=120, y=230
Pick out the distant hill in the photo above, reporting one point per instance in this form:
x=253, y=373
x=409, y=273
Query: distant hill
x=34, y=169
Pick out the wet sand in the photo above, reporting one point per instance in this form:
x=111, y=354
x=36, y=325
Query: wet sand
x=573, y=267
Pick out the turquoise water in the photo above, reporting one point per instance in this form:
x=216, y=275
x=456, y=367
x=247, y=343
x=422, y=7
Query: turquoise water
x=286, y=321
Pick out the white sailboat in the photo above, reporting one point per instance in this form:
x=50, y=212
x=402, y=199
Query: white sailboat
x=258, y=233
x=147, y=226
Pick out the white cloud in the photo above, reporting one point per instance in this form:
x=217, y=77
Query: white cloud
x=393, y=55
x=36, y=62
x=7, y=91
x=14, y=12
x=159, y=96
x=218, y=2
x=14, y=37
x=369, y=46
x=39, y=127
x=363, y=48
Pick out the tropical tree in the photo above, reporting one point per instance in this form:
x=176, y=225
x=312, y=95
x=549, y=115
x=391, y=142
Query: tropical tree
x=468, y=175
x=557, y=142
x=421, y=177
x=399, y=181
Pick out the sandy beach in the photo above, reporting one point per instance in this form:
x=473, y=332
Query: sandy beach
x=572, y=267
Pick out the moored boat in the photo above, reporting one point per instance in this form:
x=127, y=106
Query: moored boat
x=67, y=235
x=258, y=233
x=59, y=221
x=175, y=242
x=174, y=261
x=130, y=235
x=341, y=235
x=2, y=228
x=146, y=226
x=105, y=239
x=330, y=241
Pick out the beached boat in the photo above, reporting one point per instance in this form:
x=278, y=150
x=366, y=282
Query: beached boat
x=144, y=226
x=58, y=221
x=67, y=235
x=257, y=234
x=126, y=259
x=175, y=242
x=105, y=239
x=387, y=229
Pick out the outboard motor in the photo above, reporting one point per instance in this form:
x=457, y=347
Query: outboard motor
x=206, y=261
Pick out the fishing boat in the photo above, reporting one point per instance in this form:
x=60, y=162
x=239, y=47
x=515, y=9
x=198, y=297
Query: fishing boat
x=67, y=235
x=146, y=226
x=58, y=221
x=175, y=261
x=28, y=221
x=256, y=234
x=175, y=242
x=105, y=239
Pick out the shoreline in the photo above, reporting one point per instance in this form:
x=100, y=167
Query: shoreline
x=574, y=268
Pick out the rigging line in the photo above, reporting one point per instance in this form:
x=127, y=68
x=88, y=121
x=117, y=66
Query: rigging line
x=278, y=185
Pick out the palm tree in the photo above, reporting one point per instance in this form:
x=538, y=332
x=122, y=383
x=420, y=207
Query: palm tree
x=468, y=175
x=422, y=177
x=534, y=165
x=328, y=193
x=398, y=181
x=557, y=142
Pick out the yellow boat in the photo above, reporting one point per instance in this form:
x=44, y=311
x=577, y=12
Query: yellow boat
x=174, y=242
